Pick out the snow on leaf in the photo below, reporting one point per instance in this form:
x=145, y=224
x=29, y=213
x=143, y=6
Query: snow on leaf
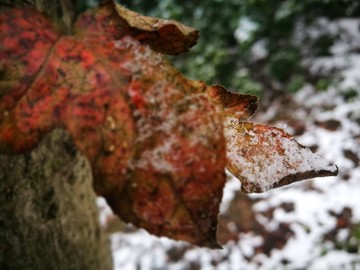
x=264, y=157
x=156, y=141
x=153, y=138
x=165, y=36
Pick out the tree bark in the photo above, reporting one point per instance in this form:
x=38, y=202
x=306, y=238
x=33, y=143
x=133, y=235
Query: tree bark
x=48, y=213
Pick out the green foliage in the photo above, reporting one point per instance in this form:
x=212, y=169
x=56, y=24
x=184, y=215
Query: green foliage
x=219, y=55
x=281, y=23
x=322, y=45
x=323, y=83
x=295, y=83
x=356, y=233
x=215, y=58
x=283, y=64
x=82, y=5
x=350, y=95
x=350, y=244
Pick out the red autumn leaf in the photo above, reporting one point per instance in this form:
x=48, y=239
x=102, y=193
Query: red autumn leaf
x=155, y=140
x=156, y=157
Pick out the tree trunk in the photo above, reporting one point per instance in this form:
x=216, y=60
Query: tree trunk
x=48, y=213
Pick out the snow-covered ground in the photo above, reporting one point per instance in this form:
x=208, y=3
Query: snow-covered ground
x=308, y=225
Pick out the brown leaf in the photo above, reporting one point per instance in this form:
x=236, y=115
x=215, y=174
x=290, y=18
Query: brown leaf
x=153, y=138
x=161, y=35
x=242, y=107
x=264, y=157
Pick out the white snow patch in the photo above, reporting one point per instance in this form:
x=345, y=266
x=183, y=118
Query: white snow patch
x=245, y=29
x=105, y=212
x=231, y=187
x=259, y=50
x=335, y=260
x=154, y=158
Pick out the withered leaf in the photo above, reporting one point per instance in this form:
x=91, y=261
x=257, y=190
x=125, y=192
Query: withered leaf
x=161, y=35
x=260, y=156
x=242, y=107
x=264, y=157
x=158, y=143
x=154, y=139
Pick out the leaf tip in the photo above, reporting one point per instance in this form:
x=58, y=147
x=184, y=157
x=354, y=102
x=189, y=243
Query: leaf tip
x=238, y=105
x=265, y=157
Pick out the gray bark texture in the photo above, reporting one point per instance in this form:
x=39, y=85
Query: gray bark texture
x=48, y=213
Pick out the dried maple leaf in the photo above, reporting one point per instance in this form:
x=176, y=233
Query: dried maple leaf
x=165, y=36
x=263, y=157
x=156, y=157
x=155, y=140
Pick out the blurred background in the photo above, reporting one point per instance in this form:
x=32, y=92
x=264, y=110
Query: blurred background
x=256, y=46
x=302, y=58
